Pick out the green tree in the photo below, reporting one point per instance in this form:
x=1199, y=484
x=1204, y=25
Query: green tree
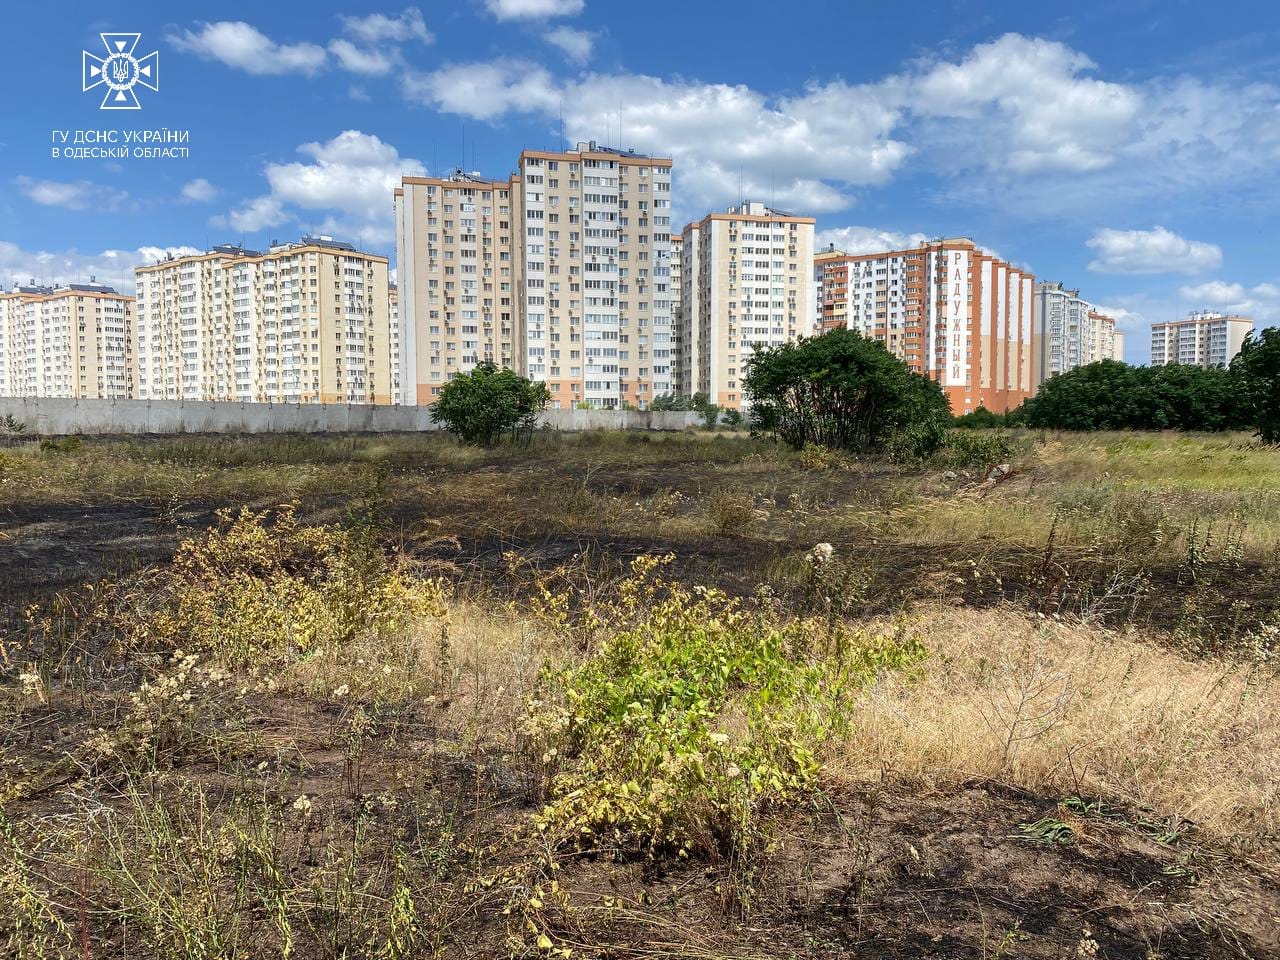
x=844, y=391
x=1110, y=395
x=483, y=406
x=1256, y=373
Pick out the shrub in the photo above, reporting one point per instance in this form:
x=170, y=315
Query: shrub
x=693, y=718
x=60, y=444
x=731, y=512
x=971, y=448
x=980, y=419
x=845, y=391
x=486, y=404
x=262, y=586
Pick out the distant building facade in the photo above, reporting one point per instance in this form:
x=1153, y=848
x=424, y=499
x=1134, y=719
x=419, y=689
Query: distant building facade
x=70, y=341
x=948, y=309
x=1071, y=332
x=1203, y=339
x=303, y=322
x=562, y=272
x=746, y=282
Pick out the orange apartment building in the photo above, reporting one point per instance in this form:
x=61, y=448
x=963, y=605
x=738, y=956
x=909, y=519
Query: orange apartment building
x=948, y=309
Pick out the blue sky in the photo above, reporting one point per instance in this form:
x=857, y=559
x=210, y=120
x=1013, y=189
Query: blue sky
x=1129, y=148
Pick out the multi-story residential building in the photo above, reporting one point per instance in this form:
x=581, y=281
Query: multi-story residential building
x=71, y=341
x=593, y=262
x=456, y=261
x=1203, y=339
x=830, y=282
x=1071, y=332
x=561, y=272
x=681, y=344
x=302, y=322
x=746, y=282
x=393, y=318
x=948, y=309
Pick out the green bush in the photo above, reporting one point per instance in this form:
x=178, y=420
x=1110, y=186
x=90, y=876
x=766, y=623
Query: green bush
x=694, y=717
x=844, y=391
x=483, y=406
x=981, y=419
x=971, y=448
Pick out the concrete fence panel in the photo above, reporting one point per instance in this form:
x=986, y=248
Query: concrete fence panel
x=46, y=416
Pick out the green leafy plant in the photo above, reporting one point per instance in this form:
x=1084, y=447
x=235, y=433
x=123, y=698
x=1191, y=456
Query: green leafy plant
x=1256, y=373
x=489, y=403
x=844, y=391
x=694, y=717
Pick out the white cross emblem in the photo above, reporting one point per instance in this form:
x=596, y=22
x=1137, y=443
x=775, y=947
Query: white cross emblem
x=121, y=71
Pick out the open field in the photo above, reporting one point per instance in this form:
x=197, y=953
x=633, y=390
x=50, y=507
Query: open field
x=601, y=697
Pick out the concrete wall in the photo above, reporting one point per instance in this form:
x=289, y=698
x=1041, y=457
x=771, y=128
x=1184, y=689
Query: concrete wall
x=59, y=417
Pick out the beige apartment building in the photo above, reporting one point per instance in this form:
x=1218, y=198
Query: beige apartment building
x=456, y=281
x=73, y=341
x=1203, y=339
x=561, y=272
x=1071, y=332
x=393, y=320
x=303, y=322
x=746, y=282
x=949, y=310
x=594, y=271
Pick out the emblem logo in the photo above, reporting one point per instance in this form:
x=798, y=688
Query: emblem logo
x=121, y=71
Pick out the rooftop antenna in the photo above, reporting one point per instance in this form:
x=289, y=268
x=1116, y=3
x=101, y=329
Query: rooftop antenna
x=563, y=144
x=606, y=127
x=620, y=147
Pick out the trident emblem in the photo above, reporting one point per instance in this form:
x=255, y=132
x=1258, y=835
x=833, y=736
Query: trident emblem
x=121, y=71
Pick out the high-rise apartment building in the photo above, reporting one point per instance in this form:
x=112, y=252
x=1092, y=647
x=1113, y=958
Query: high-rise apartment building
x=830, y=266
x=72, y=341
x=302, y=322
x=1071, y=332
x=593, y=257
x=455, y=258
x=562, y=273
x=746, y=282
x=393, y=319
x=1203, y=339
x=949, y=310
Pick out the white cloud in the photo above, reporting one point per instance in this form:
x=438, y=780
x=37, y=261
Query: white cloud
x=533, y=9
x=1022, y=105
x=72, y=195
x=370, y=62
x=1261, y=302
x=243, y=46
x=349, y=179
x=485, y=90
x=857, y=240
x=199, y=190
x=1151, y=251
x=58, y=267
x=575, y=44
x=1020, y=124
x=380, y=28
x=257, y=214
x=721, y=136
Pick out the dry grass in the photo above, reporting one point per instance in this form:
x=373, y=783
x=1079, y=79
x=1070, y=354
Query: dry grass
x=1068, y=710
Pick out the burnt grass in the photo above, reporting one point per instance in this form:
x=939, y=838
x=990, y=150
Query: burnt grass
x=872, y=872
